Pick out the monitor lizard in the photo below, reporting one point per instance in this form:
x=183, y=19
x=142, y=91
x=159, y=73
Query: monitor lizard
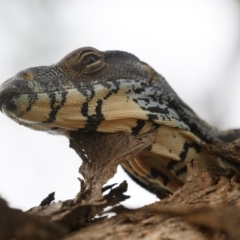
x=109, y=92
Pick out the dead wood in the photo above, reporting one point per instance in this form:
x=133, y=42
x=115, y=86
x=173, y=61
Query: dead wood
x=227, y=150
x=206, y=207
x=15, y=224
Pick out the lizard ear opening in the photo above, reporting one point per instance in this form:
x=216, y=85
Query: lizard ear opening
x=154, y=77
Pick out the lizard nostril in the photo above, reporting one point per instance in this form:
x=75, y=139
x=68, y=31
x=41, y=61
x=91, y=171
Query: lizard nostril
x=28, y=76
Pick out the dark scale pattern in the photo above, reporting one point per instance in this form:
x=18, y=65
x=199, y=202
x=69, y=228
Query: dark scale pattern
x=183, y=154
x=135, y=177
x=140, y=124
x=113, y=88
x=181, y=171
x=156, y=173
x=153, y=101
x=55, y=106
x=32, y=99
x=186, y=148
x=171, y=164
x=93, y=120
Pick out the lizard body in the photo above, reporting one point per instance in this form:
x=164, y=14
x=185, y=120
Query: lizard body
x=109, y=92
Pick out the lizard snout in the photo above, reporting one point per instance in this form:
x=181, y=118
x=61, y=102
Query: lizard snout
x=6, y=93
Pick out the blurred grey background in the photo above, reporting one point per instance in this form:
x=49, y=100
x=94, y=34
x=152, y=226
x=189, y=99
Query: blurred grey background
x=194, y=44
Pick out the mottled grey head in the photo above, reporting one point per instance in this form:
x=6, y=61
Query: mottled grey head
x=89, y=64
x=110, y=91
x=68, y=95
x=81, y=67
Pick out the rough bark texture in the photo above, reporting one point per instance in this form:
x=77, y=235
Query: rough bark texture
x=206, y=207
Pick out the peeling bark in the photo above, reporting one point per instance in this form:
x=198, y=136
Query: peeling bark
x=206, y=207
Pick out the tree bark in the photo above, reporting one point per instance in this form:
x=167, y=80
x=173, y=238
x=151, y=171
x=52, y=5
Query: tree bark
x=206, y=207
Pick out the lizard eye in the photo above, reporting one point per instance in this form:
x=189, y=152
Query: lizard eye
x=91, y=62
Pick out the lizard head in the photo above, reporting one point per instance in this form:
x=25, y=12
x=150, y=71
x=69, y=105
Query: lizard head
x=88, y=89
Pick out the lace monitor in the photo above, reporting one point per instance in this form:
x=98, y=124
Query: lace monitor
x=109, y=92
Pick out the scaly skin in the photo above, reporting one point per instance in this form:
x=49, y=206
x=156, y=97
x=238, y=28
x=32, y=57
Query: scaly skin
x=114, y=91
